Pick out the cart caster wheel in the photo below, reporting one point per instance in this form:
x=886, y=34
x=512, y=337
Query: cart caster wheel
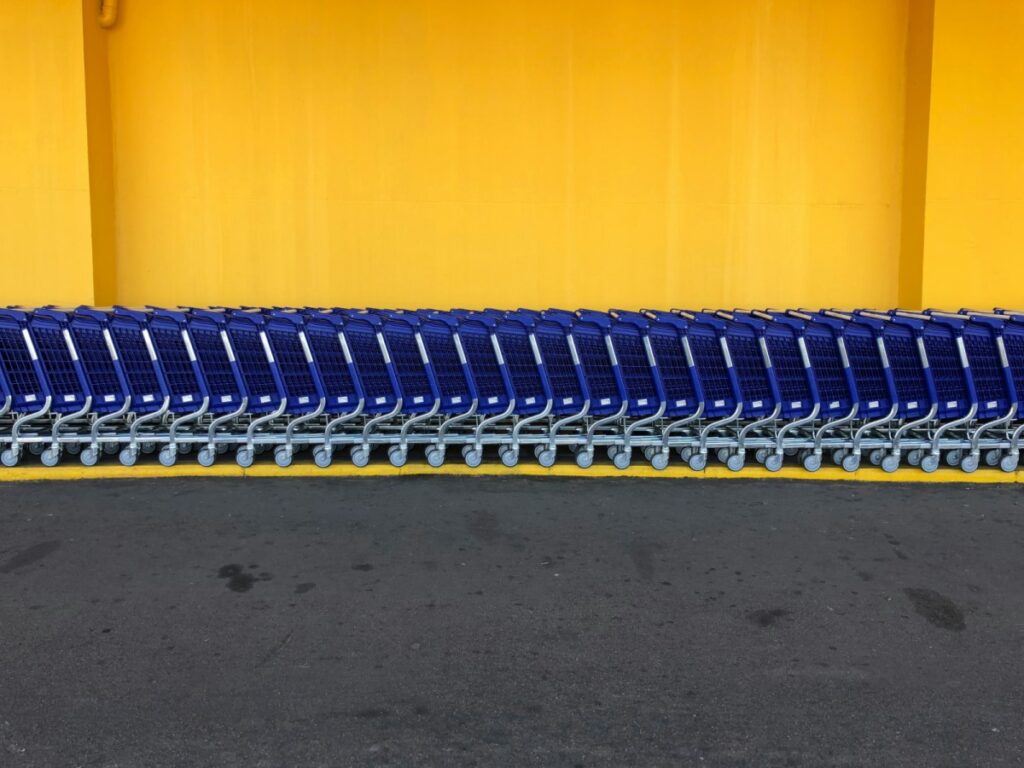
x=149, y=447
x=73, y=448
x=761, y=455
x=791, y=452
x=659, y=460
x=584, y=459
x=969, y=463
x=222, y=448
x=36, y=448
x=685, y=453
x=9, y=458
x=473, y=458
x=613, y=451
x=812, y=462
x=774, y=462
x=184, y=448
x=50, y=457
x=736, y=462
x=244, y=457
x=110, y=449
x=876, y=456
x=398, y=455
x=360, y=456
x=129, y=456
x=723, y=454
x=538, y=449
x=1009, y=463
x=851, y=462
x=698, y=462
x=509, y=457
x=930, y=463
x=168, y=456
x=954, y=457
x=435, y=457
x=992, y=458
x=282, y=456
x=838, y=456
x=89, y=456
x=546, y=458
x=890, y=463
x=914, y=457
x=466, y=449
x=206, y=456
x=622, y=459
x=322, y=457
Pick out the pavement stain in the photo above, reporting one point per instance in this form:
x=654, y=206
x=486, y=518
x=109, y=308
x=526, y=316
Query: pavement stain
x=238, y=579
x=937, y=609
x=31, y=555
x=767, y=617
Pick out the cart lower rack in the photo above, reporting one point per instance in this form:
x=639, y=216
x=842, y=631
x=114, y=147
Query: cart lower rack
x=884, y=387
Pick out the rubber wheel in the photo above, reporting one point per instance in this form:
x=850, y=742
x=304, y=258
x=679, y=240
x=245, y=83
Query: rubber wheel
x=222, y=448
x=473, y=458
x=9, y=458
x=890, y=463
x=812, y=462
x=110, y=448
x=584, y=459
x=622, y=459
x=914, y=457
x=954, y=457
x=322, y=457
x=129, y=456
x=736, y=462
x=546, y=458
x=660, y=460
x=184, y=448
x=838, y=456
x=612, y=451
x=36, y=448
x=168, y=456
x=73, y=448
x=761, y=455
x=791, y=452
x=722, y=454
x=930, y=463
x=360, y=457
x=650, y=452
x=773, y=463
x=282, y=456
x=149, y=447
x=435, y=457
x=1009, y=462
x=685, y=453
x=50, y=457
x=398, y=455
x=89, y=456
x=876, y=456
x=970, y=462
x=851, y=462
x=993, y=457
x=466, y=449
x=698, y=462
x=244, y=457
x=509, y=457
x=206, y=457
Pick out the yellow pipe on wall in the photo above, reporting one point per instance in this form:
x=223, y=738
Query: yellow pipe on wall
x=108, y=13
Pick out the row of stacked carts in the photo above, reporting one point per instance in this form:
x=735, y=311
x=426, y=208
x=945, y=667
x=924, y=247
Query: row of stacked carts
x=736, y=385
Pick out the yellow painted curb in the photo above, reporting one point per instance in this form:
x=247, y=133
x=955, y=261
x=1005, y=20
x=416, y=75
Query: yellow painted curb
x=343, y=469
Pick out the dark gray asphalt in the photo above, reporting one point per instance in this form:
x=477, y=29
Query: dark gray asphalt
x=460, y=621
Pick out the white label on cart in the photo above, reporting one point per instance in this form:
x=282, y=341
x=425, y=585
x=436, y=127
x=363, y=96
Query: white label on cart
x=757, y=404
x=227, y=346
x=266, y=347
x=912, y=404
x=186, y=398
x=530, y=400
x=343, y=399
x=796, y=404
x=148, y=398
x=149, y=344
x=225, y=398
x=680, y=403
x=417, y=400
x=30, y=398
x=303, y=400
x=572, y=350
x=110, y=344
x=305, y=347
x=109, y=398
x=265, y=399
x=457, y=399
x=69, y=398
x=566, y=401
x=951, y=404
x=991, y=404
x=188, y=345
x=492, y=400
x=872, y=404
x=605, y=401
x=642, y=401
x=383, y=349
x=834, y=404
x=497, y=350
x=71, y=345
x=611, y=351
x=29, y=344
x=344, y=348
x=719, y=403
x=380, y=400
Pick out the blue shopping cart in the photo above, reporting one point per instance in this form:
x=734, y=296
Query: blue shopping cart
x=641, y=376
x=454, y=376
x=23, y=384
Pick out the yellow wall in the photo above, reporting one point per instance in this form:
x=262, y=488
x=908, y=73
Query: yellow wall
x=45, y=246
x=439, y=152
x=974, y=244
